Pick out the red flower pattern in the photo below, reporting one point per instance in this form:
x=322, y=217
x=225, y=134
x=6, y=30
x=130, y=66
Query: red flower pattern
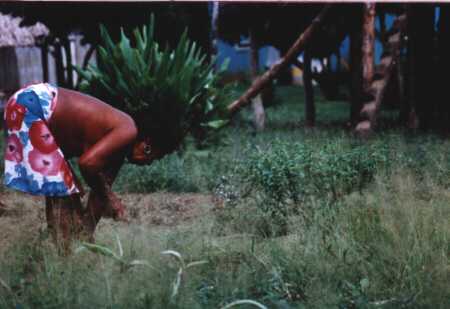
x=40, y=155
x=14, y=115
x=41, y=138
x=45, y=164
x=14, y=149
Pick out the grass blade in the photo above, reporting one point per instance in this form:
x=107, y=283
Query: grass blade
x=176, y=284
x=119, y=245
x=243, y=302
x=175, y=254
x=140, y=263
x=102, y=250
x=196, y=263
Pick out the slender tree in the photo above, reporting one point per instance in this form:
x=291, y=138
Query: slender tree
x=382, y=82
x=368, y=45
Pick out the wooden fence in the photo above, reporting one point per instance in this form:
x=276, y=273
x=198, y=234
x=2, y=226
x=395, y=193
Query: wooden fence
x=20, y=66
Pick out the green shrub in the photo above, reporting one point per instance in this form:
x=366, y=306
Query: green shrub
x=274, y=182
x=295, y=171
x=169, y=93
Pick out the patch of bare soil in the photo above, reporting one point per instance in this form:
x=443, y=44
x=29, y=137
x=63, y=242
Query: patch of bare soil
x=23, y=216
x=166, y=209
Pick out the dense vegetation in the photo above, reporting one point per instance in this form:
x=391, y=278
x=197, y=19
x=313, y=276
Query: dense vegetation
x=305, y=218
x=168, y=92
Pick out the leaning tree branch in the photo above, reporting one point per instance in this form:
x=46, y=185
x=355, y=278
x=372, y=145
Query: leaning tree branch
x=290, y=56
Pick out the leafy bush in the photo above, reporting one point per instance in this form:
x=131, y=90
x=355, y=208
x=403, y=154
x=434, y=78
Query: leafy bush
x=297, y=171
x=271, y=183
x=169, y=93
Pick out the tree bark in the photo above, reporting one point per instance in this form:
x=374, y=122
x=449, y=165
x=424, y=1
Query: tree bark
x=356, y=69
x=368, y=44
x=257, y=104
x=310, y=109
x=379, y=86
x=290, y=56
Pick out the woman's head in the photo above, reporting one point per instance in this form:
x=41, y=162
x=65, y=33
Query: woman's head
x=153, y=141
x=143, y=152
x=147, y=149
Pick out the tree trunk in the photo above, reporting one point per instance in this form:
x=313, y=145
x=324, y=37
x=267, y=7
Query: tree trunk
x=257, y=104
x=421, y=39
x=379, y=86
x=290, y=56
x=368, y=45
x=356, y=69
x=310, y=109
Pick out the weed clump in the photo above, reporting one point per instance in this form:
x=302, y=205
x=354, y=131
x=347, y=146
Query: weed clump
x=277, y=181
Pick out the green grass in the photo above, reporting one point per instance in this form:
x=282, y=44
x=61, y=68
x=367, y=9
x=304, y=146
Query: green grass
x=281, y=236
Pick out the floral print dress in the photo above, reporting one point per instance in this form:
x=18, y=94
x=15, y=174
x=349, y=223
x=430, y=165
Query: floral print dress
x=33, y=161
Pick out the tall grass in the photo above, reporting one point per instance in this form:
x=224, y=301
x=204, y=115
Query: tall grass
x=279, y=237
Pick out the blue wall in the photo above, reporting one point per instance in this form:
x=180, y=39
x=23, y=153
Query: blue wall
x=239, y=57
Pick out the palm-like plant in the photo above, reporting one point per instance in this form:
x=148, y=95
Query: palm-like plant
x=169, y=93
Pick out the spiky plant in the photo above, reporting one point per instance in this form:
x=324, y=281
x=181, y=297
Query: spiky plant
x=169, y=93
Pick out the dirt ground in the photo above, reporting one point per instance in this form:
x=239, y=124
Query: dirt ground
x=24, y=215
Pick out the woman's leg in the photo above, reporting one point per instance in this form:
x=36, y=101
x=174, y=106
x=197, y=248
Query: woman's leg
x=64, y=220
x=96, y=206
